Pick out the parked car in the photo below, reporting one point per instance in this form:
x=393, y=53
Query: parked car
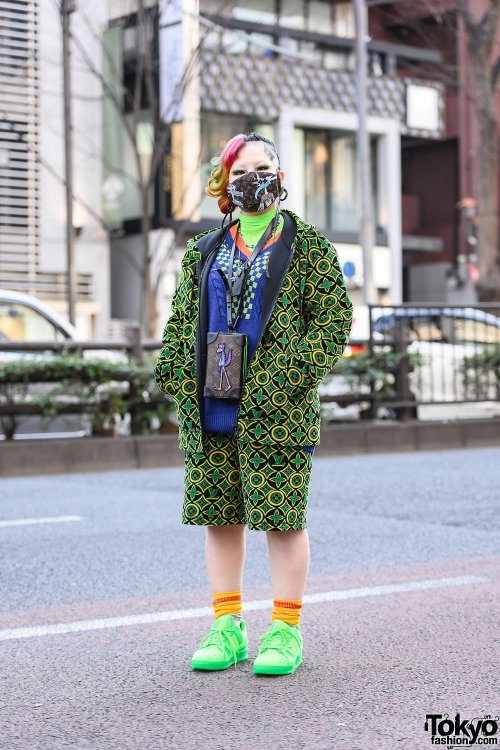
x=24, y=318
x=443, y=337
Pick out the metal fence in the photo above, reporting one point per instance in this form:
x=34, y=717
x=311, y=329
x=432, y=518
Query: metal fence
x=414, y=355
x=446, y=354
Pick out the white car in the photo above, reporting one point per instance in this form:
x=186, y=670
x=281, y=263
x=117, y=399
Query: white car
x=443, y=337
x=23, y=317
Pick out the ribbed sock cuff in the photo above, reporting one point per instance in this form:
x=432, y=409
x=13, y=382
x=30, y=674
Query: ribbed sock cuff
x=288, y=610
x=227, y=603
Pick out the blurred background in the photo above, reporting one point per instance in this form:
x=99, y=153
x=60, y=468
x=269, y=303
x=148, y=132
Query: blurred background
x=385, y=115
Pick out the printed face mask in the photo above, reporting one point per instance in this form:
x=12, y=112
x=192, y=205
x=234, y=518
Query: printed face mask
x=254, y=191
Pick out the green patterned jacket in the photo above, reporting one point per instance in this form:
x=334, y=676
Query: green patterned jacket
x=306, y=317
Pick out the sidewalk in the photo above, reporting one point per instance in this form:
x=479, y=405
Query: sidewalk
x=53, y=456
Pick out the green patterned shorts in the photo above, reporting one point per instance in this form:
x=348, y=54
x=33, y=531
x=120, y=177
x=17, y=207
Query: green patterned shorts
x=263, y=486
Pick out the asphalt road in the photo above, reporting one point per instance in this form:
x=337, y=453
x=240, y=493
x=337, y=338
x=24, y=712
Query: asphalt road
x=104, y=598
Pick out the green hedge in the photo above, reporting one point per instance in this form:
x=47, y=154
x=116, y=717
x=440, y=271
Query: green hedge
x=481, y=373
x=103, y=389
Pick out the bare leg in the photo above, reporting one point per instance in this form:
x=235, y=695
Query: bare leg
x=289, y=556
x=225, y=548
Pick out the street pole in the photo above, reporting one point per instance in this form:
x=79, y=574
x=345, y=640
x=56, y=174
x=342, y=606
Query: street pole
x=68, y=7
x=367, y=234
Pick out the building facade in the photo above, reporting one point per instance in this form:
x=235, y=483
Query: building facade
x=288, y=70
x=217, y=68
x=32, y=173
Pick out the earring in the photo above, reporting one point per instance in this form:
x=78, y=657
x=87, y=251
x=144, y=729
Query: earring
x=284, y=197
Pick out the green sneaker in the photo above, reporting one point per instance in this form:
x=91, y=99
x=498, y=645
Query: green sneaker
x=280, y=651
x=227, y=643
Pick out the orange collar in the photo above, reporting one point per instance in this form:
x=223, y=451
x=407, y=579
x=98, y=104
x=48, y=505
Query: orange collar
x=240, y=244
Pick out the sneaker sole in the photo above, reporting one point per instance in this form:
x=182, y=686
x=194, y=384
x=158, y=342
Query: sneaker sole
x=213, y=665
x=278, y=669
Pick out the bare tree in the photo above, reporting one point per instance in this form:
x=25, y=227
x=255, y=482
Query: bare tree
x=481, y=37
x=130, y=105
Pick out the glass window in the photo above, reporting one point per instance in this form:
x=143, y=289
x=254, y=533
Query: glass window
x=417, y=327
x=258, y=11
x=343, y=20
x=292, y=14
x=469, y=331
x=320, y=17
x=21, y=323
x=425, y=328
x=331, y=179
x=344, y=182
x=316, y=159
x=121, y=198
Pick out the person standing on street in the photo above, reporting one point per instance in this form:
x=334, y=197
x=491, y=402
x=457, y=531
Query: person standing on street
x=259, y=317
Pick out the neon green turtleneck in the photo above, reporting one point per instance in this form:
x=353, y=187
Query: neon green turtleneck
x=253, y=227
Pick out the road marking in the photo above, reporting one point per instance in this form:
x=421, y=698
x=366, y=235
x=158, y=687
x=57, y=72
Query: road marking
x=148, y=618
x=47, y=519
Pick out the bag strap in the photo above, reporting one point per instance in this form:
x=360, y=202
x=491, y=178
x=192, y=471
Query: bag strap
x=209, y=242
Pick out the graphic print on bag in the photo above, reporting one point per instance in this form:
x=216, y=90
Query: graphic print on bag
x=270, y=412
x=226, y=361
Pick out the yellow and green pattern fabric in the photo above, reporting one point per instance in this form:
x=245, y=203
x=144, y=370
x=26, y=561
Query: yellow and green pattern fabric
x=306, y=335
x=263, y=486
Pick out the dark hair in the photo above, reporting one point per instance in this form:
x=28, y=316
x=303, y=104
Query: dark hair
x=253, y=136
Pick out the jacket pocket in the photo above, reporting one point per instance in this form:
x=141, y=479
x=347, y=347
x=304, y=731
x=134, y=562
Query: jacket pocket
x=293, y=376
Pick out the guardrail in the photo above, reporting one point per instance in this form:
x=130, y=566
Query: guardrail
x=455, y=351
x=102, y=393
x=133, y=344
x=442, y=354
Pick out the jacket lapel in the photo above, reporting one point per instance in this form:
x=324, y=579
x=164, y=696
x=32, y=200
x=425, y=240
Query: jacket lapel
x=279, y=261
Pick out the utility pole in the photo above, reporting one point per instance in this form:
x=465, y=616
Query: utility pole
x=367, y=233
x=68, y=7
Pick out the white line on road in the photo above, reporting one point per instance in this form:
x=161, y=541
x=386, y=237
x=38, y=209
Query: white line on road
x=148, y=618
x=46, y=519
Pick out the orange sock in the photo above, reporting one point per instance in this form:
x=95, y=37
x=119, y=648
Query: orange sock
x=287, y=610
x=226, y=603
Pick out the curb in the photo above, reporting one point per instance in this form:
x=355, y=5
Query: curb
x=56, y=455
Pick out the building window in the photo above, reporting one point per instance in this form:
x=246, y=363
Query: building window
x=331, y=188
x=256, y=11
x=123, y=59
x=319, y=16
x=216, y=130
x=322, y=16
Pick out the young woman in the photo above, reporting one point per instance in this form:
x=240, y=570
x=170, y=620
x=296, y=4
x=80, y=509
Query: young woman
x=259, y=317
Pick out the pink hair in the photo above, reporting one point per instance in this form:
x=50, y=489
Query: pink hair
x=217, y=184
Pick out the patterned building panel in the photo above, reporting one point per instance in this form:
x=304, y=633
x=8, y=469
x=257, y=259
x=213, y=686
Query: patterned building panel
x=21, y=160
x=18, y=142
x=258, y=86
